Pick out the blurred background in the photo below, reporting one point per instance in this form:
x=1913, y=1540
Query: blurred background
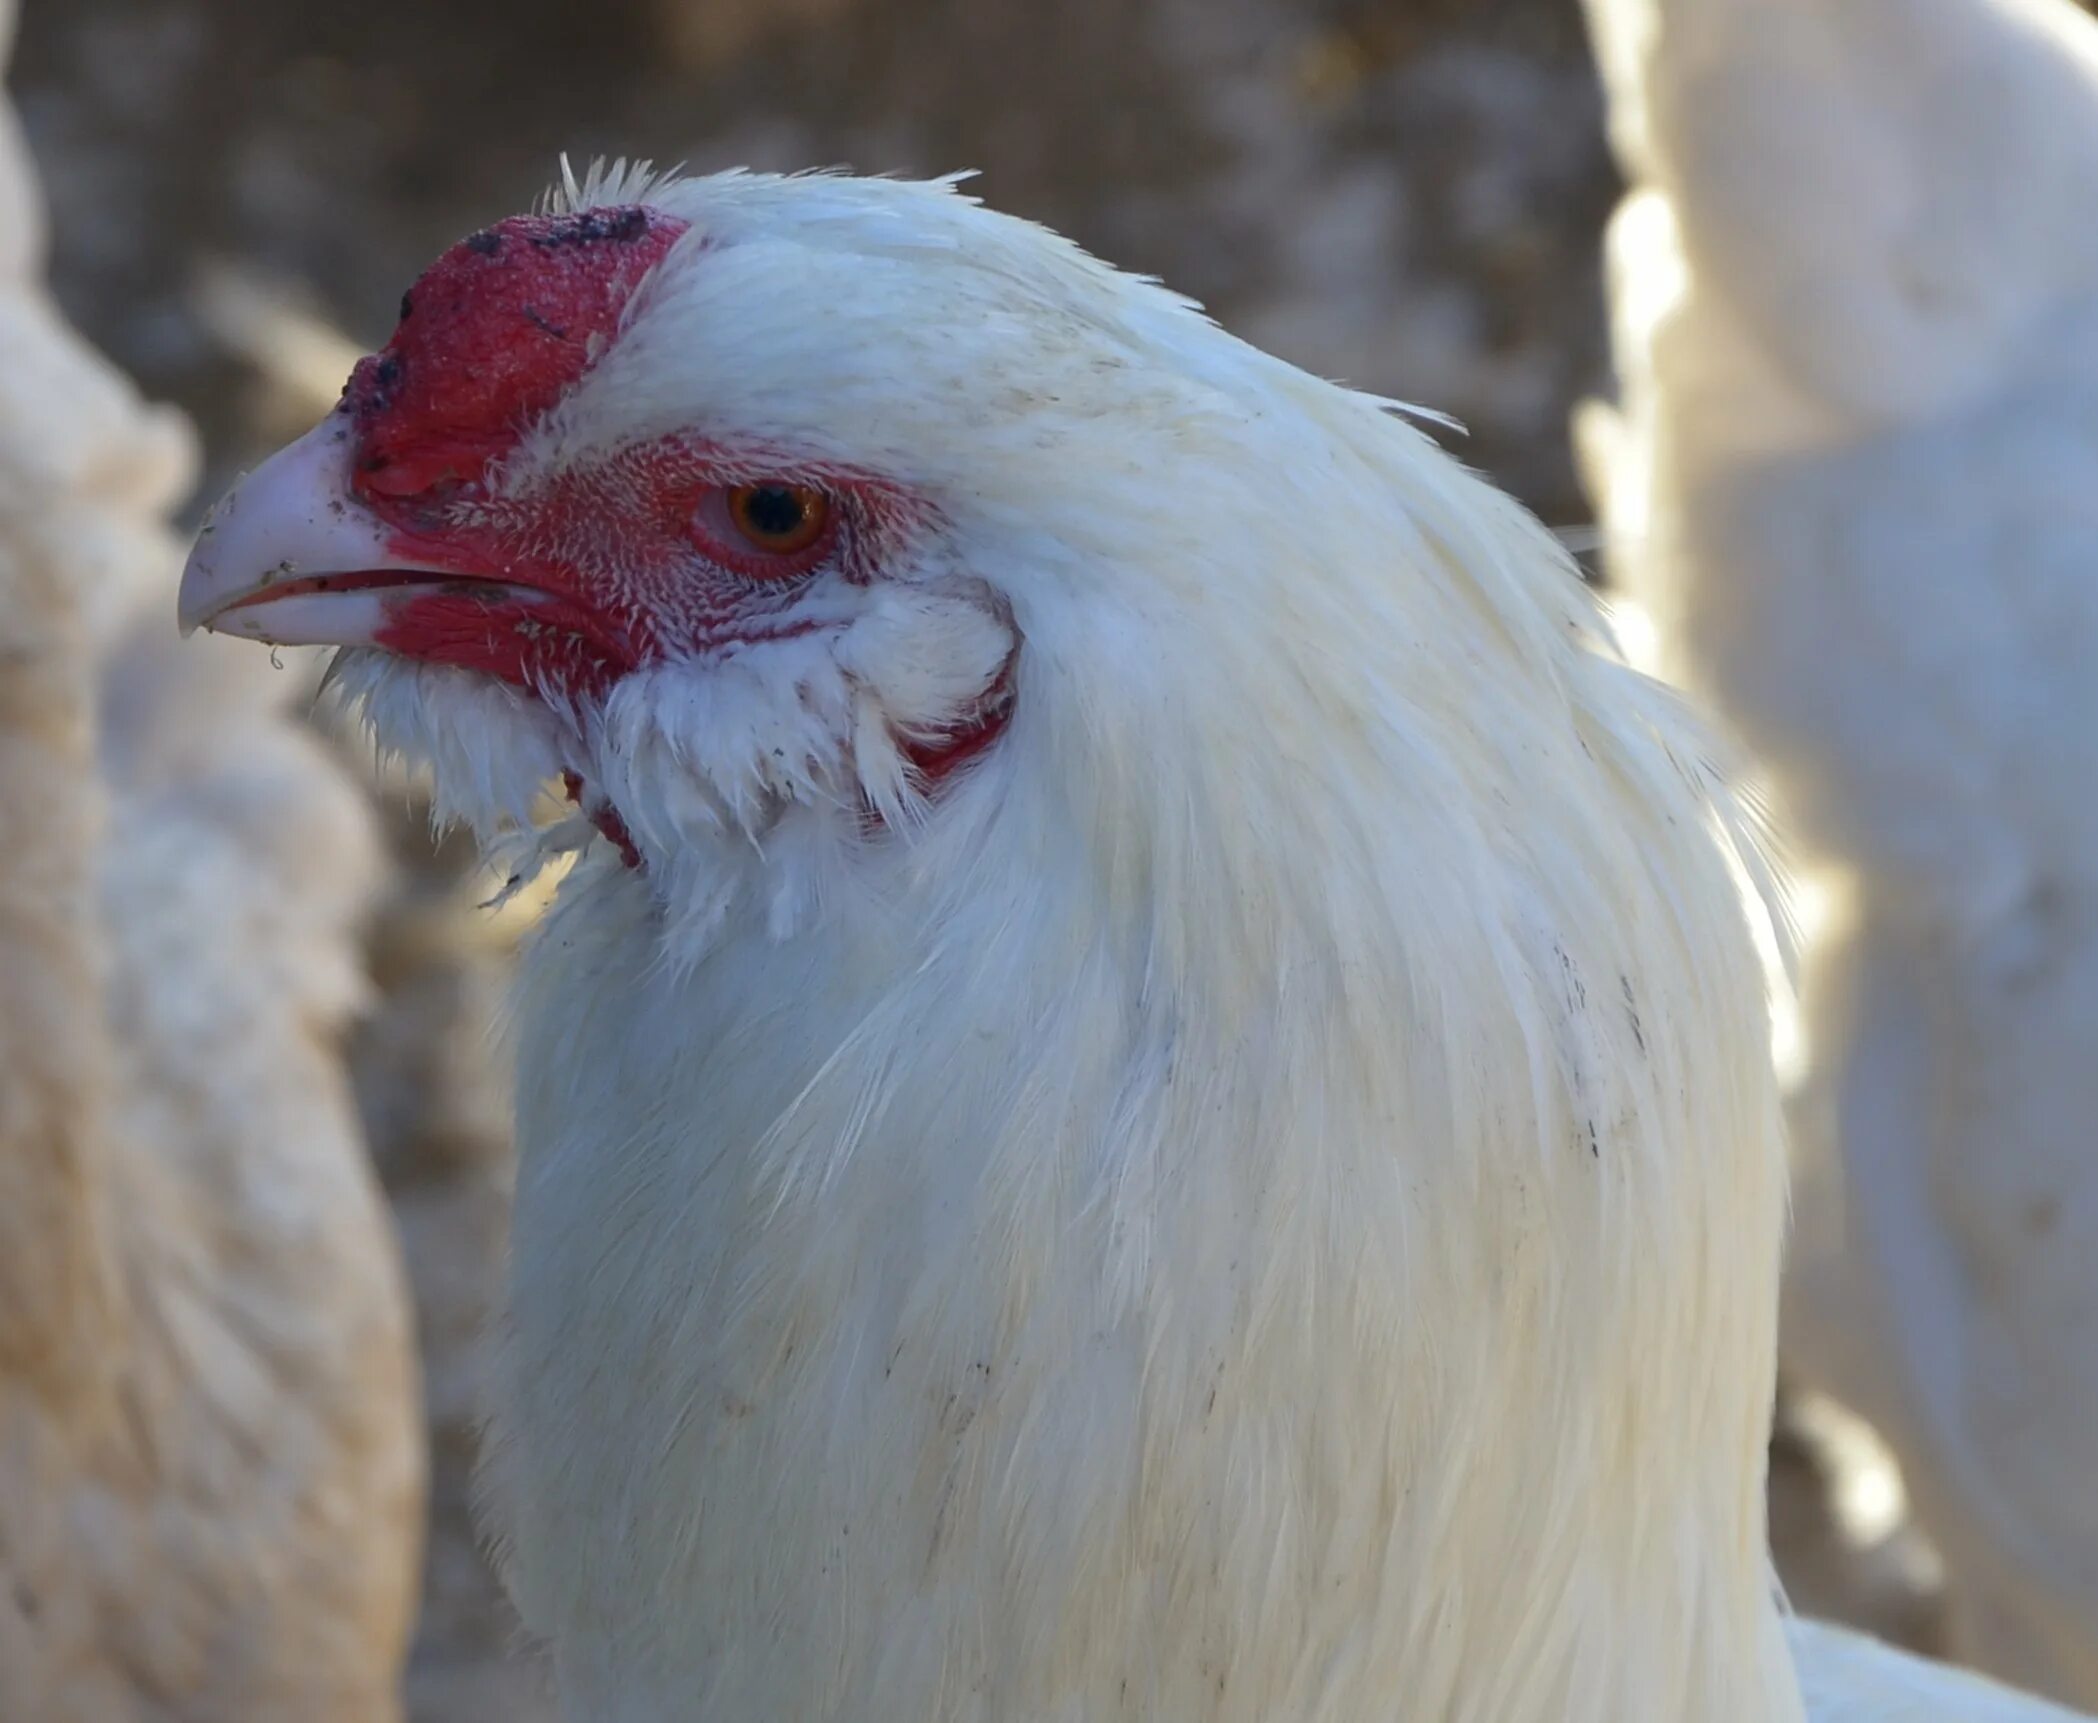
x=1405, y=193
x=1410, y=195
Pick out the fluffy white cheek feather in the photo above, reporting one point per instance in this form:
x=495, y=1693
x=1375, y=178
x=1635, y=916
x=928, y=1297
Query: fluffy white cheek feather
x=919, y=656
x=748, y=772
x=490, y=751
x=752, y=774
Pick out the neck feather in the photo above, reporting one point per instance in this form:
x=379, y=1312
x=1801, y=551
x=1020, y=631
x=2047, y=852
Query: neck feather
x=1226, y=1227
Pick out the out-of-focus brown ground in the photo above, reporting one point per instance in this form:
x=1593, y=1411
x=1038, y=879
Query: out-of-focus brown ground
x=1407, y=194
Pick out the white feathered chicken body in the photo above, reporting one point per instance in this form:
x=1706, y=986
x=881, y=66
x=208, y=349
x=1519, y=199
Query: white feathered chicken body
x=210, y=1458
x=1857, y=305
x=1255, y=1195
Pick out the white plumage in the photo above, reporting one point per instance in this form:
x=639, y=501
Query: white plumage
x=210, y=1459
x=1856, y=293
x=1259, y=1198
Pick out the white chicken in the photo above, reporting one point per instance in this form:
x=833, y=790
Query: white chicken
x=210, y=1459
x=1150, y=1096
x=1856, y=296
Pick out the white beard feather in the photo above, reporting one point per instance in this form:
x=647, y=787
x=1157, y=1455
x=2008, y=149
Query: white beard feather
x=748, y=773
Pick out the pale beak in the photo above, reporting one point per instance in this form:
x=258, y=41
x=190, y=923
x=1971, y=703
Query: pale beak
x=291, y=556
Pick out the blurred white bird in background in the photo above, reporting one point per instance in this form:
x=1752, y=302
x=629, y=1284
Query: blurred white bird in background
x=1854, y=478
x=210, y=1455
x=1150, y=1096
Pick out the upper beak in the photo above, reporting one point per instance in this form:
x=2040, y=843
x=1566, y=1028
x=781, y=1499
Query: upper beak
x=292, y=557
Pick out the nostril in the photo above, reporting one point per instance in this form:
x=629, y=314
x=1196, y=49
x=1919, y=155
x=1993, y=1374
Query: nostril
x=390, y=478
x=435, y=476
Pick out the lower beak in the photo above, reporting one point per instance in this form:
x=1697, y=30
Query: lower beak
x=291, y=556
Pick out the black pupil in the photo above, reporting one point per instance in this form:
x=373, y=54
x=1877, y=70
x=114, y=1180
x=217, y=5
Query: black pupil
x=773, y=511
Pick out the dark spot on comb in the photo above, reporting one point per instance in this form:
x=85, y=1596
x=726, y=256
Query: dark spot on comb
x=502, y=325
x=407, y=306
x=385, y=381
x=622, y=226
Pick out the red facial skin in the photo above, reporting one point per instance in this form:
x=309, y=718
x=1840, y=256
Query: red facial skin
x=629, y=561
x=598, y=571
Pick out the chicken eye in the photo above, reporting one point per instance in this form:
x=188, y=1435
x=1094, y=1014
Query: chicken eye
x=778, y=519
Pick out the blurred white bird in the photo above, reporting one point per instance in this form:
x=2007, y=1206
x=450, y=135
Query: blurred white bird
x=1855, y=479
x=210, y=1455
x=1150, y=1098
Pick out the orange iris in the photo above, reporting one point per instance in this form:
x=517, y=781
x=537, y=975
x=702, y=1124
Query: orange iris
x=778, y=519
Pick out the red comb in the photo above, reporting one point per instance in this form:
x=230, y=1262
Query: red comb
x=490, y=337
